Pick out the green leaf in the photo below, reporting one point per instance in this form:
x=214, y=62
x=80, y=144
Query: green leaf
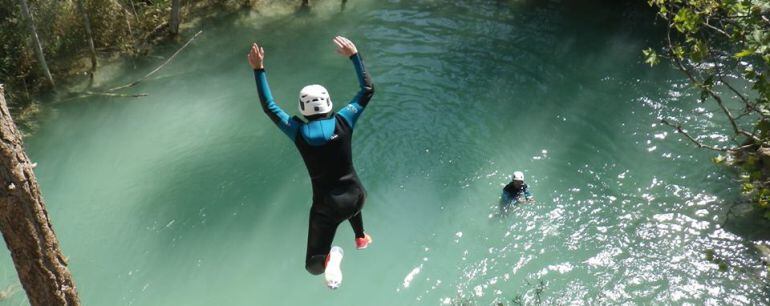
x=704, y=94
x=756, y=175
x=686, y=20
x=723, y=266
x=750, y=73
x=744, y=53
x=651, y=57
x=718, y=159
x=744, y=176
x=698, y=48
x=678, y=51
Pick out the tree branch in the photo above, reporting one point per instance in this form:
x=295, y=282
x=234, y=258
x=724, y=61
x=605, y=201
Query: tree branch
x=735, y=91
x=717, y=98
x=749, y=110
x=697, y=143
x=718, y=30
x=750, y=107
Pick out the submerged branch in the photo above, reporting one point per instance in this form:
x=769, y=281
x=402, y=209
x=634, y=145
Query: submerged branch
x=111, y=94
x=134, y=83
x=73, y=95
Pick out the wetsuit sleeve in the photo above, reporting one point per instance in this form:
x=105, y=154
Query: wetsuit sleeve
x=506, y=198
x=353, y=110
x=527, y=194
x=276, y=114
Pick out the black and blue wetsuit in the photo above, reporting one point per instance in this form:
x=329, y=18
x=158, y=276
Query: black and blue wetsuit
x=325, y=146
x=512, y=195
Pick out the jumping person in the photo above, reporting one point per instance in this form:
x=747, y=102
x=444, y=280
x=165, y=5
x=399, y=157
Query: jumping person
x=514, y=192
x=324, y=142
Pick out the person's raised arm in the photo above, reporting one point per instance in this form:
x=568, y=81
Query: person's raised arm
x=352, y=111
x=281, y=119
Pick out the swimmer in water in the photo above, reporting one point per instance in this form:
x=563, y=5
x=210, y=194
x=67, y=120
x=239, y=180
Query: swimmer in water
x=515, y=192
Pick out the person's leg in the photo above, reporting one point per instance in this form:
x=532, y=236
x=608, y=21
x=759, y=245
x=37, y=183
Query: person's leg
x=504, y=208
x=357, y=222
x=319, y=241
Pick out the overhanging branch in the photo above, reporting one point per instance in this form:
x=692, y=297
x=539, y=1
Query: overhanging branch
x=697, y=143
x=709, y=91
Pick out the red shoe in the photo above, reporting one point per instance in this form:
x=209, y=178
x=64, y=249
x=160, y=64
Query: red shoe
x=362, y=243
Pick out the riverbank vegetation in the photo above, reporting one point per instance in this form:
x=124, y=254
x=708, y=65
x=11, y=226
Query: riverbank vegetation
x=44, y=44
x=723, y=48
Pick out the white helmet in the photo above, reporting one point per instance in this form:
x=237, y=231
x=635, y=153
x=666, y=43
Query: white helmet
x=314, y=100
x=518, y=176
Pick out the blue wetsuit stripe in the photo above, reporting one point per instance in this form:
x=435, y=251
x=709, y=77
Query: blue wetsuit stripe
x=273, y=111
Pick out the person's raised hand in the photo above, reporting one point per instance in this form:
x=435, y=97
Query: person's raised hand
x=345, y=47
x=256, y=57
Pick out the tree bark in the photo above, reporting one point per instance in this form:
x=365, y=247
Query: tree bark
x=175, y=20
x=36, y=40
x=25, y=225
x=87, y=22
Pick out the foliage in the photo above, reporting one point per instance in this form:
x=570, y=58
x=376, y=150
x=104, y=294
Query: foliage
x=119, y=27
x=723, y=47
x=62, y=33
x=720, y=262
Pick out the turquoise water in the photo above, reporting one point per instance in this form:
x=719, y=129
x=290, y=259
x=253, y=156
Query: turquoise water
x=190, y=196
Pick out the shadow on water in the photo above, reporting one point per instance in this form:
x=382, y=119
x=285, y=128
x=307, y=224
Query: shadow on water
x=743, y=219
x=229, y=188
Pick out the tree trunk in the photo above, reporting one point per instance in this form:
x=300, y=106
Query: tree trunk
x=174, y=24
x=36, y=39
x=25, y=225
x=87, y=22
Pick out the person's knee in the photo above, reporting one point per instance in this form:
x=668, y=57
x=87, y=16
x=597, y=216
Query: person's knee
x=315, y=265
